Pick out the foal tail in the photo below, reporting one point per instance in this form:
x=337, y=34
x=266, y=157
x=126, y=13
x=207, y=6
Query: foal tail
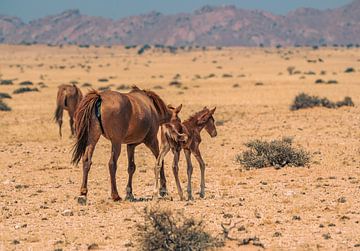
x=83, y=116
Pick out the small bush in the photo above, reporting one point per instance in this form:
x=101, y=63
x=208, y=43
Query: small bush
x=123, y=87
x=104, y=88
x=162, y=230
x=277, y=153
x=319, y=81
x=103, y=80
x=303, y=101
x=175, y=83
x=4, y=106
x=86, y=85
x=333, y=81
x=349, y=70
x=25, y=89
x=26, y=83
x=227, y=75
x=6, y=82
x=4, y=95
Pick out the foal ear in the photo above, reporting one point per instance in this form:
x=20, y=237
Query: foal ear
x=178, y=109
x=170, y=107
x=212, y=111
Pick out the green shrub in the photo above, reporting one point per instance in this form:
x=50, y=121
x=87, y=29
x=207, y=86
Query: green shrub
x=303, y=101
x=277, y=153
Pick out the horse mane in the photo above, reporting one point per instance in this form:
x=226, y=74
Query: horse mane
x=159, y=104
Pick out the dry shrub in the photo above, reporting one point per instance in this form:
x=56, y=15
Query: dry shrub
x=4, y=106
x=303, y=101
x=4, y=95
x=163, y=230
x=25, y=89
x=6, y=82
x=26, y=83
x=277, y=153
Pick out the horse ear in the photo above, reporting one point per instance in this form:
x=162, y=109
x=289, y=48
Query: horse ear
x=178, y=109
x=213, y=111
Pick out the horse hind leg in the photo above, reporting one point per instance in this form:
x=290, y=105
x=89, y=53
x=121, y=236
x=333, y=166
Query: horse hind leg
x=115, y=152
x=189, y=173
x=71, y=115
x=131, y=171
x=87, y=157
x=160, y=164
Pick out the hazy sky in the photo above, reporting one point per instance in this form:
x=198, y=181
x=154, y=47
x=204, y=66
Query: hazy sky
x=32, y=9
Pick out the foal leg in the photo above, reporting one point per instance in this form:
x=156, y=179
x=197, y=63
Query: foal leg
x=189, y=172
x=131, y=170
x=153, y=145
x=197, y=155
x=115, y=152
x=176, y=172
x=165, y=148
x=60, y=122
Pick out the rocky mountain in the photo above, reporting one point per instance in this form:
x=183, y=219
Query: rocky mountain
x=218, y=26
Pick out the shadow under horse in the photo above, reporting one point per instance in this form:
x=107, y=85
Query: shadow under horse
x=123, y=118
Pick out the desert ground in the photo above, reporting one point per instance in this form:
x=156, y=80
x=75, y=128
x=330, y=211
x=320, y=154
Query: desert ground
x=295, y=208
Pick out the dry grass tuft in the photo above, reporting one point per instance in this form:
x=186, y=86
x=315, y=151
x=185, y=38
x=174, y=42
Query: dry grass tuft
x=277, y=153
x=4, y=106
x=25, y=89
x=162, y=230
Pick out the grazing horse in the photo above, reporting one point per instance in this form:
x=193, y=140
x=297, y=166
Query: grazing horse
x=68, y=98
x=173, y=138
x=123, y=118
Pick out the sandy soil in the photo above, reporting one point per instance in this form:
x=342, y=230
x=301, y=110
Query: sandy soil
x=311, y=208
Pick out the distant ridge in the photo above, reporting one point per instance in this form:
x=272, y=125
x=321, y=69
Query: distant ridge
x=207, y=26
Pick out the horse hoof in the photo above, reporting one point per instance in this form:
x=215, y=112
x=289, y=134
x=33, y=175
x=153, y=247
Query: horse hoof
x=83, y=191
x=202, y=195
x=116, y=197
x=163, y=192
x=130, y=197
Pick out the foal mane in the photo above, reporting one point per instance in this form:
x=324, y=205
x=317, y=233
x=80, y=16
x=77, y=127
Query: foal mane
x=193, y=118
x=159, y=104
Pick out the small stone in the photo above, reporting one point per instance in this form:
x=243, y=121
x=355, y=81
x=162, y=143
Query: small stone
x=82, y=200
x=15, y=242
x=321, y=225
x=296, y=217
x=67, y=212
x=342, y=200
x=277, y=234
x=326, y=236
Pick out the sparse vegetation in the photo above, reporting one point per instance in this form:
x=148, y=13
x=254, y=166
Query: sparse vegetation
x=26, y=83
x=6, y=82
x=103, y=80
x=25, y=89
x=349, y=70
x=277, y=153
x=162, y=230
x=123, y=87
x=303, y=101
x=4, y=95
x=86, y=85
x=175, y=83
x=4, y=106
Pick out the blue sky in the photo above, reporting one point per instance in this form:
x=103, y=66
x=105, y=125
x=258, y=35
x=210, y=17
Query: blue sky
x=32, y=9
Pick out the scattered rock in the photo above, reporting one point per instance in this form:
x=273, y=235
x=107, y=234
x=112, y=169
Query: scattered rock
x=342, y=200
x=15, y=242
x=82, y=200
x=67, y=212
x=93, y=246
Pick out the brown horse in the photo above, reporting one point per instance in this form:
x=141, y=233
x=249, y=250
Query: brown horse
x=123, y=118
x=68, y=98
x=190, y=143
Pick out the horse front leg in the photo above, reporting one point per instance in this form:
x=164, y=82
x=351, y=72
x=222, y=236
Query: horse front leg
x=160, y=164
x=176, y=172
x=197, y=155
x=131, y=171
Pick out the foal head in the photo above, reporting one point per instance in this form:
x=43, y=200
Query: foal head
x=208, y=121
x=174, y=113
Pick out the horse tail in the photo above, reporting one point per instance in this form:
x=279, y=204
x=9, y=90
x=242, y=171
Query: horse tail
x=83, y=116
x=60, y=102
